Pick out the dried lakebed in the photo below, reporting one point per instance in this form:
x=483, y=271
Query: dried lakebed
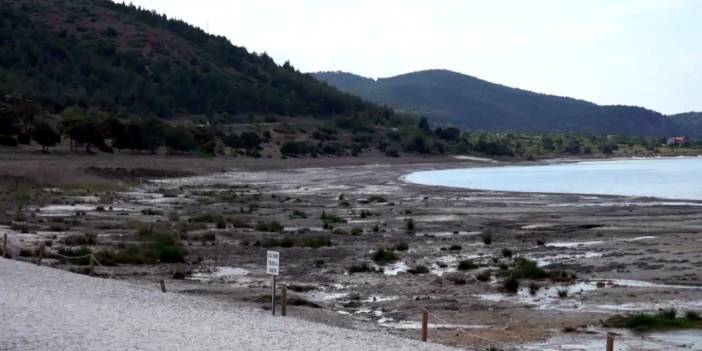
x=629, y=254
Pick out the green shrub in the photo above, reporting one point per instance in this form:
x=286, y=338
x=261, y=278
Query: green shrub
x=76, y=255
x=382, y=255
x=156, y=246
x=665, y=319
x=562, y=293
x=487, y=238
x=527, y=269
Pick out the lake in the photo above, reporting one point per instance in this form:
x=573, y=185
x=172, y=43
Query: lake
x=670, y=178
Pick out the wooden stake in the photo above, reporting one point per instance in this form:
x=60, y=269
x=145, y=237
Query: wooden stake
x=92, y=265
x=4, y=246
x=273, y=297
x=425, y=324
x=610, y=342
x=40, y=255
x=284, y=302
x=163, y=286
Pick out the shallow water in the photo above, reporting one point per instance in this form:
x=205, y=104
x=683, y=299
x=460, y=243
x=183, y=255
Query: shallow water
x=672, y=178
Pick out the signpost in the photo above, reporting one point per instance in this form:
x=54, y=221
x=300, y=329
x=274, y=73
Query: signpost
x=272, y=268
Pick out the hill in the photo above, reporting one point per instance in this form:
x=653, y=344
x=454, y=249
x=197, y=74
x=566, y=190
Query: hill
x=691, y=122
x=456, y=99
x=123, y=59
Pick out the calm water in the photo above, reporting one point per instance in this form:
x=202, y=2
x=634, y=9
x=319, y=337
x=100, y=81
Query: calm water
x=674, y=178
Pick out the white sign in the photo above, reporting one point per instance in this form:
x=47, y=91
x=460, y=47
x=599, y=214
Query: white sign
x=273, y=262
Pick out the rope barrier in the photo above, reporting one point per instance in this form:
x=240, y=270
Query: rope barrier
x=462, y=330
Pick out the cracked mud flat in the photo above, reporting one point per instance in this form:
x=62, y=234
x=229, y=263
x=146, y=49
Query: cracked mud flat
x=630, y=254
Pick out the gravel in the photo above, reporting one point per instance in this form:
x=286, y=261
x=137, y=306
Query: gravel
x=49, y=309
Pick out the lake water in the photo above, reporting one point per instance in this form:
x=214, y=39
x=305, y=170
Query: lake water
x=671, y=178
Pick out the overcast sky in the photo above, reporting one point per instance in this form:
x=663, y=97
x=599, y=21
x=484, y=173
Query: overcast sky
x=634, y=52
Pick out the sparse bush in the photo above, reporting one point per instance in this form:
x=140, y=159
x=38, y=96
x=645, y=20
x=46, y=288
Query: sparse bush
x=377, y=198
x=484, y=276
x=419, y=269
x=511, y=284
x=355, y=231
x=409, y=225
x=507, y=253
x=455, y=247
x=80, y=239
x=562, y=293
x=272, y=226
x=360, y=268
x=533, y=288
x=487, y=238
x=297, y=214
x=401, y=246
x=331, y=218
x=527, y=269
x=467, y=265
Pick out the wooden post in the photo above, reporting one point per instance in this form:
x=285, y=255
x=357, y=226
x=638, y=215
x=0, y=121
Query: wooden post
x=273, y=297
x=92, y=265
x=610, y=342
x=163, y=286
x=40, y=254
x=425, y=323
x=4, y=246
x=284, y=302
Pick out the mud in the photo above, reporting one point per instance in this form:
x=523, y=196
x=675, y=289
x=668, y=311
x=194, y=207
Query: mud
x=629, y=254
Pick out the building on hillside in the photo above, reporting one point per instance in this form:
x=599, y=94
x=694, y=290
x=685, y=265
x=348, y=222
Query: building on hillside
x=678, y=140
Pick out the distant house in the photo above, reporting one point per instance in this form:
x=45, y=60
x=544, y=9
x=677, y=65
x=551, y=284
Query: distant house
x=678, y=140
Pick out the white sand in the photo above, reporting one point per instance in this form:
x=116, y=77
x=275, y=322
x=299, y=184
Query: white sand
x=48, y=309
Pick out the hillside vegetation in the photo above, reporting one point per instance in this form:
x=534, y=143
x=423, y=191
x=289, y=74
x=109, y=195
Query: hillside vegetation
x=122, y=59
x=468, y=102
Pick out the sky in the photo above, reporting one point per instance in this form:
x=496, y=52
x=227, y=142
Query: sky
x=631, y=52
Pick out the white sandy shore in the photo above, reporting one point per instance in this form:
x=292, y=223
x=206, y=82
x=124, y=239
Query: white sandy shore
x=48, y=309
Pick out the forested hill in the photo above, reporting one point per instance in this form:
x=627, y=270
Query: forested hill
x=468, y=102
x=122, y=59
x=691, y=122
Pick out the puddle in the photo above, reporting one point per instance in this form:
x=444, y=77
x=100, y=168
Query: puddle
x=574, y=244
x=594, y=340
x=548, y=297
x=219, y=275
x=560, y=258
x=411, y=325
x=395, y=268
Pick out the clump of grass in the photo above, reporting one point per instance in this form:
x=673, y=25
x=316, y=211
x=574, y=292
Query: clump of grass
x=419, y=269
x=312, y=241
x=377, y=198
x=534, y=288
x=329, y=218
x=272, y=226
x=355, y=231
x=455, y=247
x=466, y=265
x=383, y=255
x=507, y=253
x=156, y=247
x=361, y=268
x=562, y=293
x=665, y=319
x=486, y=238
x=297, y=214
x=401, y=246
